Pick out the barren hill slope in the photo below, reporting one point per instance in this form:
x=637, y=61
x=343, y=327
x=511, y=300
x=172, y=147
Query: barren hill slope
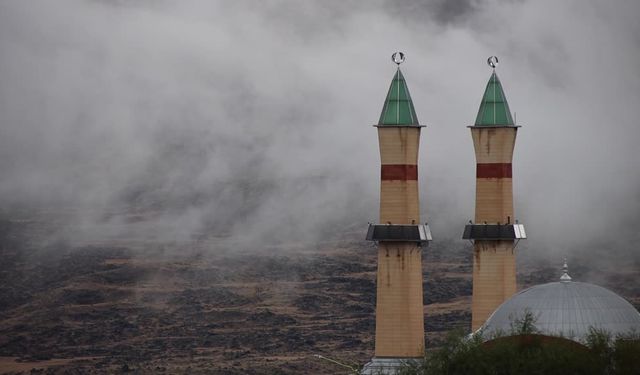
x=206, y=307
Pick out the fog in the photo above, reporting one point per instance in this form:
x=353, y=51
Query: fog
x=252, y=120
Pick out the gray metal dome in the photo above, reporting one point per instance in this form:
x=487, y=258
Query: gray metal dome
x=566, y=308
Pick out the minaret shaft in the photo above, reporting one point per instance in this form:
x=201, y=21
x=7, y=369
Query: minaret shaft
x=494, y=270
x=399, y=311
x=494, y=278
x=399, y=235
x=494, y=188
x=399, y=305
x=399, y=202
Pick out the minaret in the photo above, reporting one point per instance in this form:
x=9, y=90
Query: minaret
x=495, y=232
x=399, y=305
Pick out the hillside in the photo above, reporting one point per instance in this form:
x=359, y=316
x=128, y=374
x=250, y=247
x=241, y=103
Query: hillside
x=128, y=304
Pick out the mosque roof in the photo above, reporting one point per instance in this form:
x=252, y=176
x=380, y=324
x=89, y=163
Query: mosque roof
x=566, y=308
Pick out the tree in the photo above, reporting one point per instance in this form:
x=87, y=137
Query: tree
x=524, y=351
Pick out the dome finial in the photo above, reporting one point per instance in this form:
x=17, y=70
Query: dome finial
x=565, y=272
x=398, y=58
x=492, y=61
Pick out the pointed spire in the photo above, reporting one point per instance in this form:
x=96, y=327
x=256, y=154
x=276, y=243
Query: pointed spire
x=494, y=109
x=398, y=107
x=565, y=275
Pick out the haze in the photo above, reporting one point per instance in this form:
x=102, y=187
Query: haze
x=253, y=119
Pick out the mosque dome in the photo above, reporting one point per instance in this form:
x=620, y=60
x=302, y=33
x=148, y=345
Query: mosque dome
x=566, y=308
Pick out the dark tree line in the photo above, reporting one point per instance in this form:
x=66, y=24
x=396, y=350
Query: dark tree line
x=525, y=352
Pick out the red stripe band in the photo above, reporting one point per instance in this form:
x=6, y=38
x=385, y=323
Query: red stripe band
x=493, y=170
x=401, y=172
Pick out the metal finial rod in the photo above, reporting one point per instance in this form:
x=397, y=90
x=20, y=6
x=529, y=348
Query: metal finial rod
x=398, y=58
x=492, y=61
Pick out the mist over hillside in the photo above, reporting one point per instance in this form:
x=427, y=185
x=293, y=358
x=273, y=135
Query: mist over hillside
x=183, y=119
x=186, y=184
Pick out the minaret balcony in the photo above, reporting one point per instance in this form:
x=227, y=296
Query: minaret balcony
x=494, y=232
x=420, y=233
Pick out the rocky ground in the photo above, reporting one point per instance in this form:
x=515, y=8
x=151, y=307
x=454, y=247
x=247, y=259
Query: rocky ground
x=142, y=306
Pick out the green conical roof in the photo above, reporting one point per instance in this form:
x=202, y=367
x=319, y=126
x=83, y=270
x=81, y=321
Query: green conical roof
x=398, y=107
x=494, y=109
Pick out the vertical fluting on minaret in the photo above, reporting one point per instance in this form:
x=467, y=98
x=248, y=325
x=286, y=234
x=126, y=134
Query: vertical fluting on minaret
x=494, y=233
x=399, y=304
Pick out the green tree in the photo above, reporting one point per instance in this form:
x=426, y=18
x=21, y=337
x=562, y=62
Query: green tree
x=525, y=352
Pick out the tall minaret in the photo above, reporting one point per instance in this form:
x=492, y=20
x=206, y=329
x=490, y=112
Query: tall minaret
x=495, y=231
x=399, y=305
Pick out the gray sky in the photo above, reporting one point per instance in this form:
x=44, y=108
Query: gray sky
x=254, y=117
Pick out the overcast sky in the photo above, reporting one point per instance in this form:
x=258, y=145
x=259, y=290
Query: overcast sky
x=254, y=117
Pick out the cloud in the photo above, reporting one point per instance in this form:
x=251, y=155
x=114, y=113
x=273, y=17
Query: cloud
x=253, y=119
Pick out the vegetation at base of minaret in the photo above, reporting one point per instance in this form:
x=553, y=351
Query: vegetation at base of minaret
x=523, y=352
